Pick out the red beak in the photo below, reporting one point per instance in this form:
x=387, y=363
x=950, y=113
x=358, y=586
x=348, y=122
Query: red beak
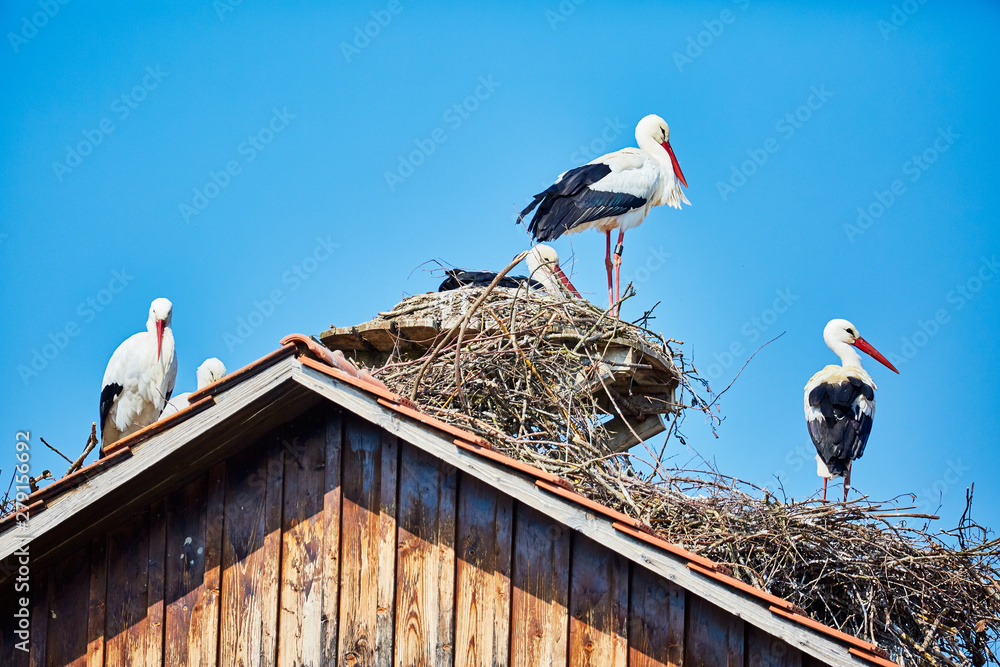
x=159, y=337
x=673, y=159
x=866, y=347
x=565, y=280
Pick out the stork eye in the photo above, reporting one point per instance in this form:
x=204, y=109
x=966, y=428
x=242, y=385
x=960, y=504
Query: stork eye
x=851, y=331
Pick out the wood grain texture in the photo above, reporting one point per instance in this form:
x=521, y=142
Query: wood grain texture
x=714, y=636
x=39, y=619
x=483, y=548
x=300, y=619
x=155, y=570
x=331, y=537
x=656, y=621
x=763, y=650
x=539, y=616
x=69, y=598
x=191, y=616
x=368, y=545
x=425, y=569
x=97, y=600
x=598, y=608
x=128, y=578
x=250, y=544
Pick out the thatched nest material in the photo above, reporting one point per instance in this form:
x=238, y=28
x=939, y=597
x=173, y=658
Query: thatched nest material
x=526, y=372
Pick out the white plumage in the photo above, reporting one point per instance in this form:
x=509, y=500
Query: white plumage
x=543, y=263
x=139, y=377
x=615, y=191
x=210, y=371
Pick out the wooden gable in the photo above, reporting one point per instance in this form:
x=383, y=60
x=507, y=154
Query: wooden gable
x=335, y=537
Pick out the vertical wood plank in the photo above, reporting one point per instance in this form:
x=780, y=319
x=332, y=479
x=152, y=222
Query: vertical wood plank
x=191, y=616
x=39, y=619
x=425, y=569
x=368, y=545
x=69, y=596
x=304, y=446
x=714, y=637
x=125, y=623
x=765, y=650
x=331, y=538
x=250, y=549
x=483, y=547
x=155, y=585
x=656, y=621
x=539, y=614
x=598, y=611
x=97, y=601
x=11, y=617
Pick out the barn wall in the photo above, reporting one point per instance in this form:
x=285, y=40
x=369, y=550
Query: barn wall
x=330, y=542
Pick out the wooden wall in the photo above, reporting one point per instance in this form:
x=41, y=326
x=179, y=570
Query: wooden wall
x=329, y=542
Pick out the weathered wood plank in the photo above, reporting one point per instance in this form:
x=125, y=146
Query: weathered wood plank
x=39, y=619
x=97, y=600
x=763, y=650
x=69, y=595
x=656, y=621
x=246, y=636
x=128, y=578
x=714, y=637
x=204, y=649
x=483, y=547
x=598, y=611
x=155, y=586
x=539, y=615
x=300, y=619
x=425, y=570
x=330, y=568
x=368, y=545
x=191, y=614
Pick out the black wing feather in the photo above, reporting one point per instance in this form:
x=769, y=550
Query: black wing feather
x=108, y=395
x=842, y=433
x=570, y=202
x=460, y=278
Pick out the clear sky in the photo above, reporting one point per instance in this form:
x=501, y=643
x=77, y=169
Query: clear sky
x=281, y=169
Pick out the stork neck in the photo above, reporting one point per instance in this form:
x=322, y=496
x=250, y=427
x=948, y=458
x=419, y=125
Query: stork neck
x=848, y=355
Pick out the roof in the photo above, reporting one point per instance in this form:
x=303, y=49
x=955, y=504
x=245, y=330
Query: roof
x=301, y=374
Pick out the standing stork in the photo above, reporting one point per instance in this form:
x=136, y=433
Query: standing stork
x=840, y=404
x=139, y=377
x=210, y=371
x=615, y=191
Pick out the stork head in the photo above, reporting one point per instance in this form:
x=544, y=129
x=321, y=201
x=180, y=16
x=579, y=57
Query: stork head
x=655, y=128
x=839, y=333
x=160, y=315
x=543, y=261
x=212, y=370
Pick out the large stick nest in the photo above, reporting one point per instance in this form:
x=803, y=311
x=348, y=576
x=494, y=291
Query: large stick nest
x=519, y=380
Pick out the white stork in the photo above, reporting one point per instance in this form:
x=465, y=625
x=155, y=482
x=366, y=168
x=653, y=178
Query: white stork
x=543, y=263
x=210, y=371
x=139, y=377
x=840, y=404
x=615, y=191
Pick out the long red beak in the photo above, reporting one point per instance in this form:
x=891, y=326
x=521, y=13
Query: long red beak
x=159, y=337
x=673, y=160
x=866, y=347
x=565, y=280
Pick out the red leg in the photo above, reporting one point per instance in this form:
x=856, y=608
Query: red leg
x=825, y=480
x=607, y=263
x=618, y=265
x=847, y=481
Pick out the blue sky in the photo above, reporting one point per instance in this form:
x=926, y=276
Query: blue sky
x=281, y=167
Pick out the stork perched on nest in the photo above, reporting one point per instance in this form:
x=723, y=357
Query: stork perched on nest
x=543, y=265
x=139, y=378
x=840, y=404
x=615, y=191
